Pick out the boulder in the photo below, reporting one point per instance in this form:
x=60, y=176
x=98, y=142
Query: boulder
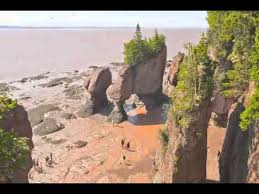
x=49, y=125
x=36, y=114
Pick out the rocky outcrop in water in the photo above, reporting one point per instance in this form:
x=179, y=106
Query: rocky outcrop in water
x=96, y=86
x=144, y=79
x=17, y=120
x=183, y=159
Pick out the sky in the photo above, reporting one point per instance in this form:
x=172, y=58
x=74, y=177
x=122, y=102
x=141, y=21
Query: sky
x=160, y=19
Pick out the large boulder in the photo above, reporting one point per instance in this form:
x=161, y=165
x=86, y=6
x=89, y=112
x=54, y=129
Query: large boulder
x=17, y=120
x=49, y=125
x=36, y=114
x=96, y=86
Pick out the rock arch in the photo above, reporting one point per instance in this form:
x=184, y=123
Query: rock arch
x=144, y=79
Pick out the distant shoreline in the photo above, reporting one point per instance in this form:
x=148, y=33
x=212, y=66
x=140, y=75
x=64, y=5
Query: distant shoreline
x=94, y=27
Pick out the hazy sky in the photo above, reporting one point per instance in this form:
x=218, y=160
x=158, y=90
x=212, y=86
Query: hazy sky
x=105, y=18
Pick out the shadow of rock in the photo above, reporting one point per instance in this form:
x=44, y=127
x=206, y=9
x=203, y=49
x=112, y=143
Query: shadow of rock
x=156, y=116
x=17, y=119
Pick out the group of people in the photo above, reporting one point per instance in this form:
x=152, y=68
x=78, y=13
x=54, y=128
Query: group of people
x=38, y=166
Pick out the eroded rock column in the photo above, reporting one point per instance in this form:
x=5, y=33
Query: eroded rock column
x=96, y=86
x=183, y=160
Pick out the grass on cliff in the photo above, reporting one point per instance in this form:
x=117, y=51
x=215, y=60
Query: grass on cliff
x=139, y=50
x=13, y=149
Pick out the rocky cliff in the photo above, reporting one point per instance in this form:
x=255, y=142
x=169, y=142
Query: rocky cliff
x=239, y=160
x=17, y=120
x=183, y=160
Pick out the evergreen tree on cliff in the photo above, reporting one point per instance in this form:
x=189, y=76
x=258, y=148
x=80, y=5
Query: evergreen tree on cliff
x=138, y=49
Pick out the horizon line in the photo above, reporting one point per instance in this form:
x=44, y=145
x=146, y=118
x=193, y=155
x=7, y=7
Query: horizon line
x=16, y=26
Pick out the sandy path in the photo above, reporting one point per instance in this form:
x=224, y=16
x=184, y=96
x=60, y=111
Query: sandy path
x=215, y=141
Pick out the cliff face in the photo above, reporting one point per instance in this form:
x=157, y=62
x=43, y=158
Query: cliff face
x=184, y=158
x=239, y=160
x=234, y=155
x=17, y=119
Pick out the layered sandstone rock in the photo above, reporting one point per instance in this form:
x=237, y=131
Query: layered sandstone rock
x=96, y=86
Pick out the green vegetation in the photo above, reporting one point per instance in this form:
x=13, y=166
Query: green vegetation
x=234, y=36
x=13, y=151
x=251, y=113
x=195, y=82
x=12, y=147
x=138, y=49
x=6, y=104
x=164, y=135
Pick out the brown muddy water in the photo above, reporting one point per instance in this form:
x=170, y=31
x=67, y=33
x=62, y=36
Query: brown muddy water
x=27, y=52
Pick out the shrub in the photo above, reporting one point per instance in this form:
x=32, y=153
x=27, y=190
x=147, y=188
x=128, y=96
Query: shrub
x=13, y=151
x=164, y=136
x=6, y=104
x=251, y=113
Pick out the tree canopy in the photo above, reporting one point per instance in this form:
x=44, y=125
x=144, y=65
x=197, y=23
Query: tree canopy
x=234, y=36
x=138, y=49
x=195, y=82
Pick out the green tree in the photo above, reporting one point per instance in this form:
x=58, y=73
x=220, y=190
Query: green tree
x=138, y=49
x=195, y=82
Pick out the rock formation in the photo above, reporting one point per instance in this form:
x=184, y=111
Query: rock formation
x=96, y=86
x=239, y=160
x=17, y=120
x=220, y=107
x=183, y=160
x=170, y=78
x=144, y=79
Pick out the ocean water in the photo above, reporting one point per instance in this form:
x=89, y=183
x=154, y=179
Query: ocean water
x=27, y=52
